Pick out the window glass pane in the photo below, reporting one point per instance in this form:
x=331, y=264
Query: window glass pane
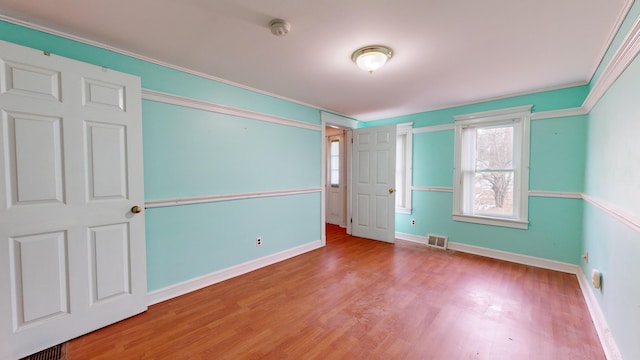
x=494, y=148
x=493, y=193
x=334, y=163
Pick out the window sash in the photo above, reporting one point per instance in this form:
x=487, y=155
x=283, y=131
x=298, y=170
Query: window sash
x=467, y=169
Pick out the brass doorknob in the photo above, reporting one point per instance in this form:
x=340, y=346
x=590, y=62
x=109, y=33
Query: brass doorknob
x=136, y=209
x=391, y=190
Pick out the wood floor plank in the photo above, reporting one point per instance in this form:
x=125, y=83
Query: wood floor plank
x=363, y=299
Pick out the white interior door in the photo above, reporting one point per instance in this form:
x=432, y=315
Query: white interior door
x=72, y=252
x=335, y=180
x=373, y=191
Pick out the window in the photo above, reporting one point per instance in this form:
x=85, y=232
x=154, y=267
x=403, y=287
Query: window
x=492, y=167
x=334, y=163
x=403, y=167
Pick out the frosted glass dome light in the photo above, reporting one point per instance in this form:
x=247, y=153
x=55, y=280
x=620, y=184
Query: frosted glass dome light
x=371, y=58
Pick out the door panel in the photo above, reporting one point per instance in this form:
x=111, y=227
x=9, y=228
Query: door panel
x=106, y=162
x=103, y=95
x=335, y=194
x=70, y=171
x=382, y=212
x=39, y=268
x=110, y=259
x=34, y=173
x=28, y=80
x=382, y=167
x=374, y=183
x=363, y=216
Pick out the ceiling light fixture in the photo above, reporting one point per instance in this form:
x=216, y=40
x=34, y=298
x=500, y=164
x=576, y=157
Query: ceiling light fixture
x=371, y=58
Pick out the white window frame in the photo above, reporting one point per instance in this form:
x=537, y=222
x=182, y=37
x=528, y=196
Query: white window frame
x=406, y=129
x=521, y=117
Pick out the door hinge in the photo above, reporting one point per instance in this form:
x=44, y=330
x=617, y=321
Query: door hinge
x=352, y=140
x=351, y=221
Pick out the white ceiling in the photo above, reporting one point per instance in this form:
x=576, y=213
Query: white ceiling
x=446, y=52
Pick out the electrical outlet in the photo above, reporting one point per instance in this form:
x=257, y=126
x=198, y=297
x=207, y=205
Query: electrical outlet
x=413, y=222
x=259, y=241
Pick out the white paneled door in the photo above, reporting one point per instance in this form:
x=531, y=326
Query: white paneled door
x=72, y=247
x=373, y=193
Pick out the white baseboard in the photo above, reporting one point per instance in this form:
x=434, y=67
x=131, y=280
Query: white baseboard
x=188, y=286
x=413, y=238
x=497, y=254
x=516, y=258
x=604, y=332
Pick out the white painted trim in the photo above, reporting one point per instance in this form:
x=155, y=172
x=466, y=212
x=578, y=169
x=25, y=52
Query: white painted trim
x=501, y=97
x=337, y=120
x=147, y=59
x=552, y=114
x=599, y=321
x=432, y=188
x=194, y=284
x=434, y=128
x=495, y=221
x=618, y=63
x=499, y=113
x=612, y=34
x=515, y=258
x=555, y=194
x=520, y=118
x=327, y=119
x=630, y=221
x=412, y=238
x=192, y=103
x=226, y=197
x=405, y=129
x=323, y=182
x=497, y=254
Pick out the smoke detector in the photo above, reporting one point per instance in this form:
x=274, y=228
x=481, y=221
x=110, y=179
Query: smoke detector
x=279, y=27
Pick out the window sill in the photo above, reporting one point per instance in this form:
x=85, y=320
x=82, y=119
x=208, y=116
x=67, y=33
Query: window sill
x=517, y=224
x=403, y=211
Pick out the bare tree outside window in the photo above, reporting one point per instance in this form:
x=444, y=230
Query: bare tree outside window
x=494, y=175
x=491, y=173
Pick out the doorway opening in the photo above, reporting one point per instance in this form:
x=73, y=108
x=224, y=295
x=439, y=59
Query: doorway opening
x=337, y=176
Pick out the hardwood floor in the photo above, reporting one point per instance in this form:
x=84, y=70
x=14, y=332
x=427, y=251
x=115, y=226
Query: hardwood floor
x=363, y=299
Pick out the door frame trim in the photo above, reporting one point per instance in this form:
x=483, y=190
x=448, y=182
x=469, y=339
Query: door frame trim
x=328, y=119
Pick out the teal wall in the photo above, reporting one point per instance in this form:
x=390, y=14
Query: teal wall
x=195, y=153
x=557, y=163
x=613, y=177
x=223, y=154
x=566, y=98
x=190, y=152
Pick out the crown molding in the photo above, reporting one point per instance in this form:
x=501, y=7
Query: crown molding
x=612, y=34
x=625, y=54
x=148, y=59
